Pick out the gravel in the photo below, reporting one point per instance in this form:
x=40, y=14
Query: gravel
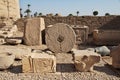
x=65, y=71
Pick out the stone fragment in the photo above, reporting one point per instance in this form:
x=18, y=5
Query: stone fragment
x=60, y=38
x=19, y=52
x=115, y=53
x=84, y=60
x=13, y=41
x=33, y=31
x=39, y=63
x=103, y=50
x=6, y=60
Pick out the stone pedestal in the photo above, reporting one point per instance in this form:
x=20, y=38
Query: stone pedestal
x=39, y=63
x=84, y=59
x=33, y=31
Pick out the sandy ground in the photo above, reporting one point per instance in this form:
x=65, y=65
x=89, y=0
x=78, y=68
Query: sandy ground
x=65, y=71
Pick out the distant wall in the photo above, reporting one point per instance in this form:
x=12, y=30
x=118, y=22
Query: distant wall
x=93, y=22
x=104, y=22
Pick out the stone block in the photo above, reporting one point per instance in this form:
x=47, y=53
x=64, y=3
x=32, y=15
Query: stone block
x=39, y=63
x=106, y=37
x=33, y=31
x=81, y=33
x=84, y=60
x=115, y=53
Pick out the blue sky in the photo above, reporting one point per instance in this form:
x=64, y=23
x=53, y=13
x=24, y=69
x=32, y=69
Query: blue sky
x=65, y=7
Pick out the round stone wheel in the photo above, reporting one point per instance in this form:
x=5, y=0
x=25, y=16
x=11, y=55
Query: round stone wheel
x=60, y=38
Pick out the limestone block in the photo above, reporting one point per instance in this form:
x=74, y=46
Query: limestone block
x=33, y=31
x=81, y=33
x=115, y=53
x=18, y=51
x=106, y=37
x=39, y=63
x=84, y=60
x=6, y=60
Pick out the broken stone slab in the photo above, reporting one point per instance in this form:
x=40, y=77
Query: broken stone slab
x=13, y=41
x=115, y=53
x=18, y=51
x=84, y=60
x=106, y=37
x=6, y=60
x=33, y=31
x=60, y=38
x=39, y=63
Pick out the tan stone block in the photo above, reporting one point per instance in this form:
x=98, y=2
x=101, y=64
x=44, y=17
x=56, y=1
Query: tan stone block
x=115, y=53
x=33, y=31
x=84, y=60
x=39, y=63
x=106, y=37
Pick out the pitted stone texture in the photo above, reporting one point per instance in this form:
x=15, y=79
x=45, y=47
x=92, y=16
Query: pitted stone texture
x=19, y=52
x=39, y=63
x=84, y=60
x=9, y=8
x=60, y=38
x=115, y=53
x=33, y=31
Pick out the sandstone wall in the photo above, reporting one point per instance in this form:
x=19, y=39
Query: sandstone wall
x=104, y=22
x=9, y=8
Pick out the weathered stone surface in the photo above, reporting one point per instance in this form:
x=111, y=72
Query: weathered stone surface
x=19, y=52
x=9, y=8
x=33, y=31
x=81, y=33
x=6, y=60
x=8, y=31
x=84, y=60
x=106, y=37
x=39, y=63
x=60, y=38
x=115, y=53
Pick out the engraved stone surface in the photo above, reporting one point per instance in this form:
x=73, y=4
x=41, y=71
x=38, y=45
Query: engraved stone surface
x=60, y=38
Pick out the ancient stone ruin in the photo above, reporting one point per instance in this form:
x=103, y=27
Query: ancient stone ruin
x=9, y=9
x=47, y=45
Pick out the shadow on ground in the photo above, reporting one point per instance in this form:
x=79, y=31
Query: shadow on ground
x=106, y=69
x=61, y=67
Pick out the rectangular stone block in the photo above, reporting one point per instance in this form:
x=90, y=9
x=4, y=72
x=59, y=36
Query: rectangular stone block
x=39, y=63
x=115, y=53
x=84, y=60
x=81, y=33
x=106, y=37
x=33, y=31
